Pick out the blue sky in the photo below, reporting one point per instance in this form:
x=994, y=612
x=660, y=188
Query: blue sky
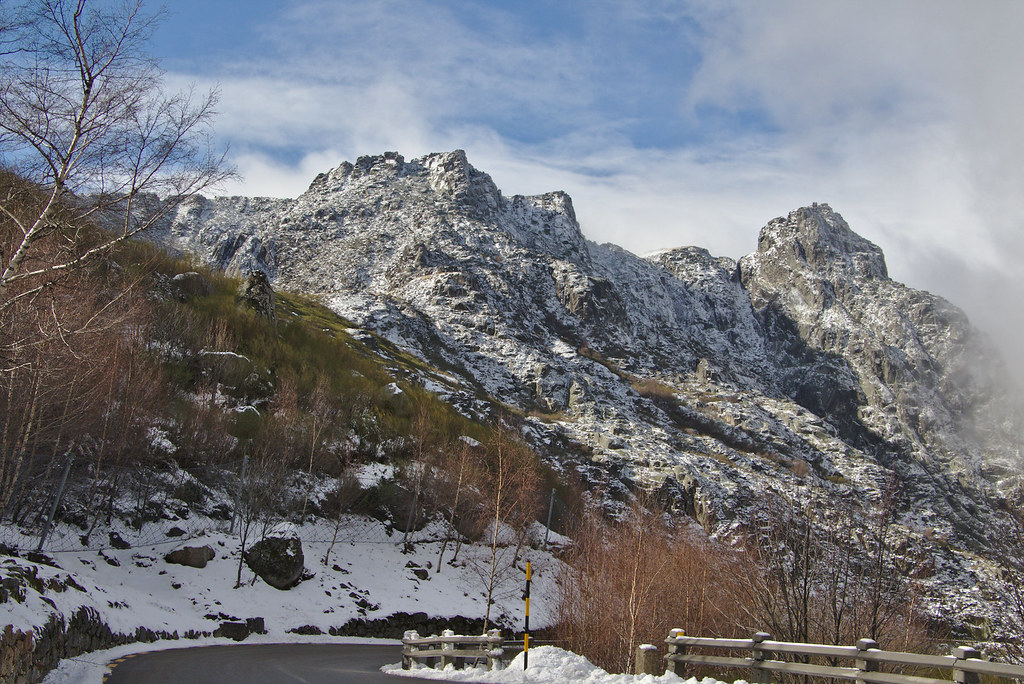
x=670, y=122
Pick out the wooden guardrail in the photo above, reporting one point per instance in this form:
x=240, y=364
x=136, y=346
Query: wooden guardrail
x=864, y=660
x=452, y=649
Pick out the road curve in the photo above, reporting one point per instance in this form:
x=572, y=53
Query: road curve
x=260, y=664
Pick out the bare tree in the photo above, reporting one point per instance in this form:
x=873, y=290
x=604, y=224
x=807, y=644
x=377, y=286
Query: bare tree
x=509, y=488
x=465, y=473
x=84, y=115
x=830, y=576
x=260, y=486
x=630, y=580
x=322, y=415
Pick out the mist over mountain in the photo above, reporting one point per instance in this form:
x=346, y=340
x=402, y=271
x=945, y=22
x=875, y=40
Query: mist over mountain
x=800, y=373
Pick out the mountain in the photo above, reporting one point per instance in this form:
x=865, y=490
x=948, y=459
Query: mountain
x=801, y=373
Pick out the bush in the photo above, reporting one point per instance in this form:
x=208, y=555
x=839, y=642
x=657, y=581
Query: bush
x=654, y=389
x=630, y=581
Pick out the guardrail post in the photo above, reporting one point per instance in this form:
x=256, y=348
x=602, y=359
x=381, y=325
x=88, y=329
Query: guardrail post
x=446, y=649
x=862, y=664
x=676, y=668
x=646, y=660
x=495, y=651
x=408, y=648
x=965, y=653
x=757, y=675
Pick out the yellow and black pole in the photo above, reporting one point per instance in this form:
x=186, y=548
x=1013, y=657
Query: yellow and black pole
x=526, y=628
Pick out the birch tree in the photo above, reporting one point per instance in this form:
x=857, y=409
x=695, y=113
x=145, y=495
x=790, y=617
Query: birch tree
x=510, y=488
x=84, y=115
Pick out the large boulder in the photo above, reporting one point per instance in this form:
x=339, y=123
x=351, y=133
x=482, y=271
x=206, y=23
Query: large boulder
x=192, y=556
x=191, y=284
x=257, y=294
x=277, y=558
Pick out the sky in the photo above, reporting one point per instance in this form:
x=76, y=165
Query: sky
x=669, y=122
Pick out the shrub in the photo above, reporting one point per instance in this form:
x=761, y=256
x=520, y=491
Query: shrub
x=654, y=389
x=630, y=581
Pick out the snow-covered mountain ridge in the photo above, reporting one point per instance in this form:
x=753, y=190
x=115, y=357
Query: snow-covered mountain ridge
x=802, y=371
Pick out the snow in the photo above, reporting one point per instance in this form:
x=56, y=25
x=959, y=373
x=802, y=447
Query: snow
x=228, y=354
x=547, y=664
x=369, y=474
x=368, y=575
x=159, y=441
x=285, y=530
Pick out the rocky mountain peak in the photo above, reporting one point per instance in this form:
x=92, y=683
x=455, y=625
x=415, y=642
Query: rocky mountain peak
x=381, y=165
x=817, y=237
x=473, y=191
x=802, y=370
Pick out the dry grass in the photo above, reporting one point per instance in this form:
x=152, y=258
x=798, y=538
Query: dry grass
x=654, y=389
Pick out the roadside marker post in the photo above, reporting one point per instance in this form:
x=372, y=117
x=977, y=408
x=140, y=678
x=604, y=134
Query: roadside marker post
x=526, y=627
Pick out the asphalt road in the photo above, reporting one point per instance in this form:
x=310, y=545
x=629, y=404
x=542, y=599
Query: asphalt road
x=260, y=664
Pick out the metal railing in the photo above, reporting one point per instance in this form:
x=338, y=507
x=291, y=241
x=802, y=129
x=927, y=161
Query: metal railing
x=451, y=649
x=965, y=664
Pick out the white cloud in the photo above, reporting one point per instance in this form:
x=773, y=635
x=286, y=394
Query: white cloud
x=913, y=106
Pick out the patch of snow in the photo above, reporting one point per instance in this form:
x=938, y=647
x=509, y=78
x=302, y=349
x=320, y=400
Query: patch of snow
x=159, y=441
x=548, y=664
x=285, y=530
x=369, y=474
x=235, y=355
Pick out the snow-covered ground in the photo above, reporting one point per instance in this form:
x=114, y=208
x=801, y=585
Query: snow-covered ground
x=547, y=664
x=361, y=579
x=367, y=580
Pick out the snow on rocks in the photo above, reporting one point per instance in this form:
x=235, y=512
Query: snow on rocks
x=366, y=576
x=711, y=377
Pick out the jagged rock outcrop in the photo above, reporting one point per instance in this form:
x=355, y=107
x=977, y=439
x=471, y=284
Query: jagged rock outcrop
x=257, y=294
x=802, y=371
x=907, y=365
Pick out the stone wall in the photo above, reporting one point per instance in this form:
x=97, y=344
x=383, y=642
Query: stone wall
x=395, y=626
x=26, y=657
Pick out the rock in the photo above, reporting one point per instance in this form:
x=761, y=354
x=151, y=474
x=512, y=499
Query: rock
x=277, y=558
x=192, y=556
x=705, y=373
x=191, y=284
x=233, y=630
x=802, y=351
x=257, y=294
x=242, y=253
x=117, y=542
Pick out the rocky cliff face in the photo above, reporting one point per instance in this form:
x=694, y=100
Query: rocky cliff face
x=800, y=372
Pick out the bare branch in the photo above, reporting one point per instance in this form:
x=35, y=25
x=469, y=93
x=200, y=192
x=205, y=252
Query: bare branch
x=83, y=114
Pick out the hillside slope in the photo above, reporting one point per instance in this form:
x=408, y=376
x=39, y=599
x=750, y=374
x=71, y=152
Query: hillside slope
x=801, y=373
